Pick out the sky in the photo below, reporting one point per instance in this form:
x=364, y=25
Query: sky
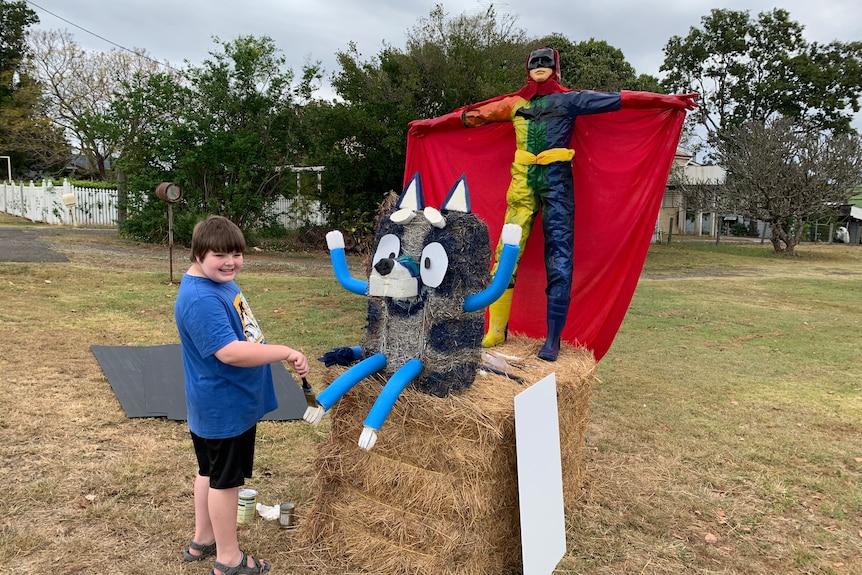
x=179, y=30
x=309, y=31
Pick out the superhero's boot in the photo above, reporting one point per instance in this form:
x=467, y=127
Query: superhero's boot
x=558, y=309
x=498, y=319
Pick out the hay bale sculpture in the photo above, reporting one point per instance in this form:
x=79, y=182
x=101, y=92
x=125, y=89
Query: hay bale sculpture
x=427, y=290
x=439, y=492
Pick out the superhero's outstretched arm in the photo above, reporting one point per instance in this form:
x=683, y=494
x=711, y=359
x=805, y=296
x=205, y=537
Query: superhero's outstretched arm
x=511, y=237
x=497, y=109
x=335, y=243
x=342, y=384
x=450, y=121
x=642, y=100
x=386, y=400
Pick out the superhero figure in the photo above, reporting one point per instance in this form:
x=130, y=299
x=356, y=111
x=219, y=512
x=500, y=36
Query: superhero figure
x=543, y=114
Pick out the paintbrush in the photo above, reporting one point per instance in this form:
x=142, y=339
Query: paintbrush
x=310, y=398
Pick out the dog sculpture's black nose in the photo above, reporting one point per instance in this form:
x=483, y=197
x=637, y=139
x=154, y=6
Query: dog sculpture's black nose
x=384, y=266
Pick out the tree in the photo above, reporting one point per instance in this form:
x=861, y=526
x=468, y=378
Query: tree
x=226, y=131
x=447, y=62
x=362, y=140
x=26, y=134
x=36, y=146
x=15, y=18
x=759, y=69
x=80, y=86
x=596, y=65
x=785, y=176
x=239, y=130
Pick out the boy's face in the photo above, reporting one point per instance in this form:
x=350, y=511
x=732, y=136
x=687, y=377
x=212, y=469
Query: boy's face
x=221, y=267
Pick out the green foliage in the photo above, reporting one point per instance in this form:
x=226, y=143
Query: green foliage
x=739, y=229
x=94, y=184
x=224, y=131
x=26, y=134
x=150, y=222
x=464, y=59
x=596, y=65
x=15, y=18
x=362, y=141
x=448, y=62
x=747, y=69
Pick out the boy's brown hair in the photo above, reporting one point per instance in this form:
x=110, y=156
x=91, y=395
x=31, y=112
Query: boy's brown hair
x=217, y=234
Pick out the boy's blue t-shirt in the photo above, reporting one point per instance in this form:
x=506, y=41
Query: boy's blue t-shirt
x=222, y=400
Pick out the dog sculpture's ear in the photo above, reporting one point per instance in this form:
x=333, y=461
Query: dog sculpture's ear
x=411, y=198
x=458, y=198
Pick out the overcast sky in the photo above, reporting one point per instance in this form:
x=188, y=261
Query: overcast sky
x=180, y=30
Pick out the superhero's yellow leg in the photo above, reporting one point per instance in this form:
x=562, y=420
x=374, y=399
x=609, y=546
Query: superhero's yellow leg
x=498, y=319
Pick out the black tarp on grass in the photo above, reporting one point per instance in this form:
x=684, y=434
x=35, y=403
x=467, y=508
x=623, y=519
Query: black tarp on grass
x=148, y=382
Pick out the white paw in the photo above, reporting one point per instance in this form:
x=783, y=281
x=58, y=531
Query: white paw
x=334, y=240
x=313, y=415
x=368, y=438
x=511, y=234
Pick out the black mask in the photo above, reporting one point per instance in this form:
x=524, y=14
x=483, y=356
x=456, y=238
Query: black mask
x=541, y=58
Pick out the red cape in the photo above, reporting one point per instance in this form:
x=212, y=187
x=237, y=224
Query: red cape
x=622, y=161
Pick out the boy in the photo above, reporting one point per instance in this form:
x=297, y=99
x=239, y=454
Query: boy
x=228, y=385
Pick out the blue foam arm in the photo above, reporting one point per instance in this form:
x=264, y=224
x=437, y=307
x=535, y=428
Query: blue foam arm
x=335, y=243
x=505, y=268
x=345, y=382
x=393, y=388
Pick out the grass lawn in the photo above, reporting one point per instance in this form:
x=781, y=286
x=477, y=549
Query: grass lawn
x=724, y=436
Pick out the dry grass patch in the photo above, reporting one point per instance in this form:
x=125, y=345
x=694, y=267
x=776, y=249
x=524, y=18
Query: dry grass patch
x=723, y=435
x=439, y=491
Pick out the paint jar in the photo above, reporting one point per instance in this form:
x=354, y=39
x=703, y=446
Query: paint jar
x=246, y=506
x=285, y=517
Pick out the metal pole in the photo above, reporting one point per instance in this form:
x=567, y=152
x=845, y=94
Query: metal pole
x=171, y=241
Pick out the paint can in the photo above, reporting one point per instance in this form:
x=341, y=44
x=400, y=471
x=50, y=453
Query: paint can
x=246, y=506
x=285, y=517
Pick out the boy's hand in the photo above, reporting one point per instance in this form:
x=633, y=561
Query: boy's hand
x=299, y=362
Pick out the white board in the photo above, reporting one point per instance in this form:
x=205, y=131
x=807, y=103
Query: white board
x=540, y=477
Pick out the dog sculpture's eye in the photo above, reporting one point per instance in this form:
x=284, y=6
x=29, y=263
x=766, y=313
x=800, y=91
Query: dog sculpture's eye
x=433, y=265
x=389, y=247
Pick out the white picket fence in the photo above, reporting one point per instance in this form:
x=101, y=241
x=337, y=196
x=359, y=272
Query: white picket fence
x=73, y=205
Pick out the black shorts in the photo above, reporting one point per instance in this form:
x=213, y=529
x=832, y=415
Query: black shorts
x=227, y=462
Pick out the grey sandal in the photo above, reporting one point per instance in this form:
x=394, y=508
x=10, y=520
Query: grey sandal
x=204, y=551
x=259, y=567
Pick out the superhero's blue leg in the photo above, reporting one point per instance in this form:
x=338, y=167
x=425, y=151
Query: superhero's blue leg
x=558, y=225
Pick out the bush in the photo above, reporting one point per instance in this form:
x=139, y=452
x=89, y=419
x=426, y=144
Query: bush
x=738, y=229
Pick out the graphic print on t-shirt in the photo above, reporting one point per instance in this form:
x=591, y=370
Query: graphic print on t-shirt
x=250, y=327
